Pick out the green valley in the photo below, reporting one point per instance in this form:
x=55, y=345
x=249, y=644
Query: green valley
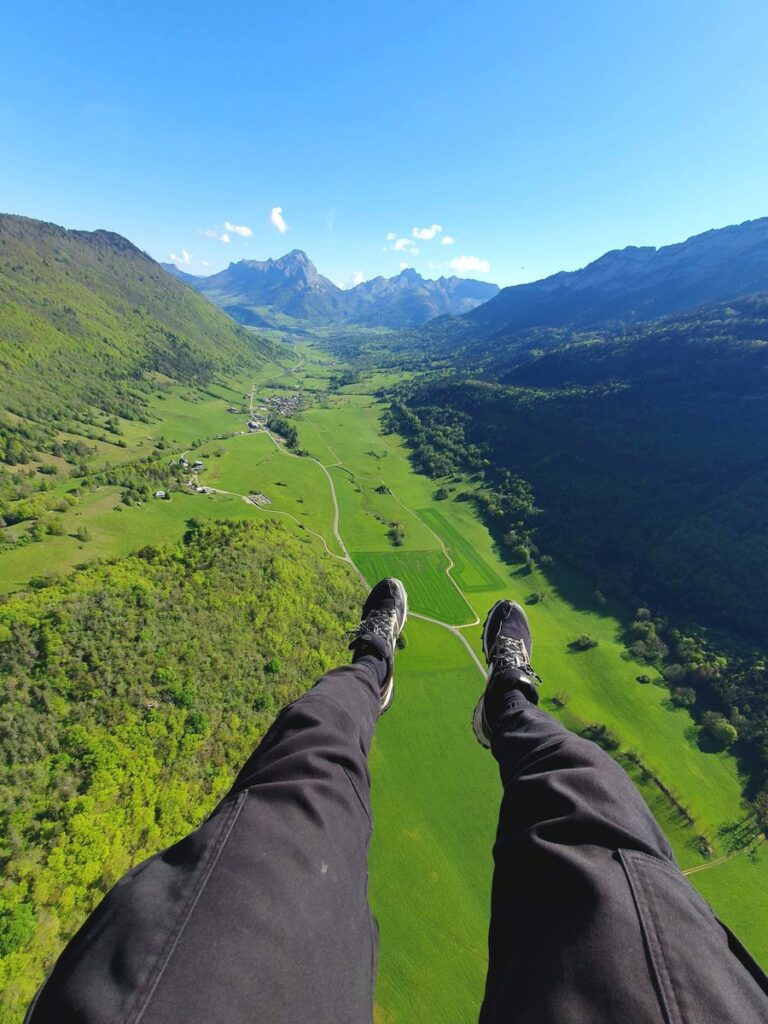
x=153, y=520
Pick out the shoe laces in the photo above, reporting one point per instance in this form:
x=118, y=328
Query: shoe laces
x=376, y=623
x=511, y=652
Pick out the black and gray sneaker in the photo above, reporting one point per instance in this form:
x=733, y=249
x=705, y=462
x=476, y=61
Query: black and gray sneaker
x=507, y=648
x=382, y=622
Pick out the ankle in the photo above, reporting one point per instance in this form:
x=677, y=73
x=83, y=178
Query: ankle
x=373, y=656
x=506, y=684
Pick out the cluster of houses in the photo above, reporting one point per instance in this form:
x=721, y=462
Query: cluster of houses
x=284, y=404
x=195, y=468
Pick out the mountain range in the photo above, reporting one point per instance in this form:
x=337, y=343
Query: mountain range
x=624, y=286
x=263, y=293
x=628, y=285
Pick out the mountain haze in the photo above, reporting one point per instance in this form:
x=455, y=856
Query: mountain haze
x=260, y=292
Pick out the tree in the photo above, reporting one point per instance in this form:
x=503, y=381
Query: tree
x=719, y=728
x=37, y=531
x=583, y=643
x=760, y=807
x=54, y=527
x=83, y=534
x=603, y=736
x=673, y=673
x=684, y=696
x=397, y=534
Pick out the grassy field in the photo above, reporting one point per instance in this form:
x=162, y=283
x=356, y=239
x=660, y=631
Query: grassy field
x=180, y=417
x=252, y=462
x=471, y=572
x=423, y=573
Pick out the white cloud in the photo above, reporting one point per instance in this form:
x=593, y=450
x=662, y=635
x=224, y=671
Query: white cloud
x=405, y=266
x=427, y=234
x=447, y=240
x=238, y=229
x=391, y=236
x=184, y=258
x=466, y=263
x=218, y=233
x=276, y=216
x=406, y=245
x=205, y=263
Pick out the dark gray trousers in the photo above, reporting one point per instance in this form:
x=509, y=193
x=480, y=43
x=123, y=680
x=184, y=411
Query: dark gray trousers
x=261, y=915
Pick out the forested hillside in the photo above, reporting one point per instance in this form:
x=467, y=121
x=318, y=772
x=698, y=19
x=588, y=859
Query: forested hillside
x=642, y=458
x=132, y=691
x=86, y=320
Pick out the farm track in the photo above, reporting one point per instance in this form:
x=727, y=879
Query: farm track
x=721, y=860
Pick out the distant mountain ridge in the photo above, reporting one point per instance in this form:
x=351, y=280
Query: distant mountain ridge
x=634, y=284
x=260, y=292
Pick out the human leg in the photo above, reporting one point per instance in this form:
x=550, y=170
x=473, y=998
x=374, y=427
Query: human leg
x=591, y=919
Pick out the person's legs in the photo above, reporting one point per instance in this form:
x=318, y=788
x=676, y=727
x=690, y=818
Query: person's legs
x=262, y=913
x=591, y=920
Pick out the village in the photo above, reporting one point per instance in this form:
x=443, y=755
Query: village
x=281, y=404
x=258, y=419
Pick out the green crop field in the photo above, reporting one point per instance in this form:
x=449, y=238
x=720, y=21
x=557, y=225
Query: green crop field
x=472, y=572
x=430, y=590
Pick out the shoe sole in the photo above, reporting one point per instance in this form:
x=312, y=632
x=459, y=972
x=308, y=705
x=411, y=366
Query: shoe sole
x=479, y=723
x=389, y=694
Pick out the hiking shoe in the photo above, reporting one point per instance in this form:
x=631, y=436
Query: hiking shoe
x=507, y=649
x=382, y=622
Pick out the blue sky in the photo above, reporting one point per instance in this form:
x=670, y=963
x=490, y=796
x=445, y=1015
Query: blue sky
x=536, y=135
